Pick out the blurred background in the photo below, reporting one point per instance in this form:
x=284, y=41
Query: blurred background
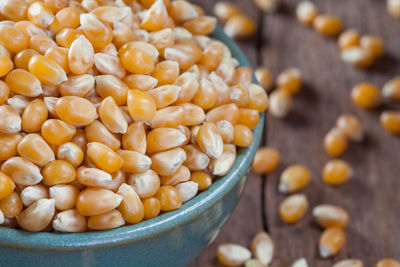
x=372, y=196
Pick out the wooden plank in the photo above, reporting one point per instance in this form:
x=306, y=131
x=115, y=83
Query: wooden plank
x=372, y=197
x=246, y=219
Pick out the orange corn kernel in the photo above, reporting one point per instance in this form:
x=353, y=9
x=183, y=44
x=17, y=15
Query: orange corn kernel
x=104, y=157
x=242, y=76
x=75, y=110
x=8, y=145
x=69, y=221
x=135, y=138
x=106, y=221
x=23, y=83
x=4, y=92
x=166, y=72
x=294, y=178
x=40, y=14
x=390, y=121
x=209, y=140
x=227, y=112
x=248, y=117
x=34, y=148
x=93, y=177
x=58, y=172
x=366, y=95
x=391, y=89
x=68, y=17
x=7, y=185
x=35, y=114
x=112, y=117
x=77, y=85
x=240, y=26
x=336, y=172
x=5, y=65
x=349, y=38
x=12, y=38
x=60, y=56
x=22, y=171
x=67, y=36
x=146, y=183
x=243, y=136
x=196, y=160
x=134, y=162
x=225, y=10
x=154, y=18
x=97, y=132
x=169, y=198
x=290, y=80
x=57, y=132
x=168, y=162
x=81, y=56
x=37, y=216
x=387, y=263
x=41, y=43
x=222, y=165
x=108, y=85
x=152, y=207
x=70, y=152
x=11, y=205
x=46, y=70
x=358, y=56
x=335, y=143
x=131, y=207
x=14, y=9
x=374, y=44
x=293, y=208
x=181, y=175
x=140, y=81
x=109, y=64
x=202, y=179
x=164, y=95
x=306, y=12
x=328, y=25
x=22, y=58
x=330, y=216
x=331, y=242
x=162, y=139
x=212, y=55
x=351, y=126
x=264, y=78
x=97, y=32
x=141, y=107
x=185, y=53
x=206, y=96
x=64, y=195
x=137, y=61
x=171, y=116
x=95, y=201
x=230, y=254
x=182, y=11
x=258, y=98
x=189, y=87
x=10, y=121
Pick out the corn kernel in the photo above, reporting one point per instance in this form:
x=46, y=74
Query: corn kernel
x=240, y=26
x=104, y=157
x=135, y=138
x=12, y=38
x=34, y=148
x=262, y=248
x=96, y=201
x=331, y=242
x=210, y=140
x=168, y=162
x=351, y=126
x=330, y=216
x=294, y=178
x=230, y=254
x=69, y=221
x=366, y=95
x=5, y=65
x=328, y=25
x=23, y=83
x=14, y=9
x=393, y=7
x=336, y=172
x=33, y=193
x=146, y=184
x=335, y=142
x=22, y=171
x=264, y=78
x=374, y=44
x=387, y=263
x=81, y=55
x=162, y=139
x=131, y=207
x=37, y=216
x=349, y=263
x=7, y=185
x=290, y=80
x=106, y=221
x=267, y=5
x=58, y=172
x=306, y=12
x=8, y=145
x=46, y=70
x=293, y=208
x=40, y=14
x=390, y=121
x=35, y=114
x=225, y=10
x=141, y=107
x=11, y=206
x=4, y=92
x=152, y=207
x=358, y=56
x=258, y=98
x=280, y=103
x=266, y=160
x=57, y=132
x=349, y=38
x=391, y=89
x=302, y=262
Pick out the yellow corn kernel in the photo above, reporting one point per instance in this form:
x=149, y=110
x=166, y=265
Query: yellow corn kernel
x=10, y=121
x=7, y=185
x=225, y=10
x=8, y=145
x=393, y=7
x=4, y=92
x=169, y=198
x=240, y=26
x=21, y=59
x=22, y=171
x=226, y=130
x=14, y=9
x=35, y=114
x=262, y=248
x=336, y=172
x=11, y=205
x=349, y=38
x=75, y=110
x=141, y=107
x=131, y=207
x=258, y=98
x=264, y=78
x=134, y=162
x=387, y=263
x=330, y=216
x=112, y=117
x=57, y=132
x=196, y=160
x=23, y=83
x=109, y=64
x=290, y=80
x=206, y=95
x=104, y=157
x=243, y=136
x=93, y=177
x=366, y=95
x=34, y=148
x=108, y=85
x=164, y=95
x=41, y=43
x=189, y=87
x=152, y=207
x=37, y=216
x=77, y=85
x=374, y=44
x=293, y=208
x=230, y=254
x=70, y=152
x=187, y=190
x=280, y=103
x=97, y=132
x=212, y=55
x=171, y=116
x=202, y=179
x=106, y=221
x=249, y=117
x=335, y=142
x=390, y=121
x=137, y=61
x=40, y=14
x=210, y=140
x=267, y=5
x=222, y=165
x=58, y=172
x=331, y=242
x=66, y=18
x=81, y=55
x=358, y=56
x=60, y=56
x=349, y=263
x=96, y=201
x=266, y=160
x=181, y=175
x=181, y=11
x=66, y=37
x=328, y=25
x=146, y=183
x=351, y=126
x=12, y=38
x=166, y=72
x=46, y=70
x=306, y=12
x=135, y=138
x=140, y=81
x=69, y=221
x=294, y=178
x=391, y=89
x=5, y=65
x=154, y=18
x=162, y=139
x=98, y=33
x=227, y=112
x=31, y=194
x=168, y=162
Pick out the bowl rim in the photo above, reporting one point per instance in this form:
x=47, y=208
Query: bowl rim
x=145, y=229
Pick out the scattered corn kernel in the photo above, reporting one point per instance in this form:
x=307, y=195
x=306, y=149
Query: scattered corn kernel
x=230, y=254
x=266, y=160
x=306, y=12
x=331, y=242
x=349, y=38
x=264, y=78
x=393, y=7
x=293, y=208
x=262, y=248
x=294, y=178
x=267, y=5
x=390, y=121
x=351, y=126
x=330, y=216
x=391, y=89
x=349, y=263
x=374, y=44
x=387, y=263
x=280, y=103
x=366, y=95
x=336, y=172
x=335, y=142
x=328, y=25
x=358, y=56
x=240, y=26
x=302, y=262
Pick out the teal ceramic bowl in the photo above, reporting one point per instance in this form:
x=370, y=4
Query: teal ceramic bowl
x=172, y=239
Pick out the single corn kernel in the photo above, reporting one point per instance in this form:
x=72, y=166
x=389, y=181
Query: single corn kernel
x=212, y=55
x=135, y=138
x=81, y=55
x=162, y=139
x=393, y=7
x=41, y=43
x=40, y=14
x=131, y=207
x=280, y=103
x=171, y=116
x=47, y=70
x=33, y=193
x=391, y=89
x=97, y=32
x=374, y=44
x=390, y=121
x=66, y=18
x=97, y=132
x=4, y=92
x=209, y=140
x=223, y=164
x=239, y=95
x=202, y=179
x=154, y=18
x=11, y=206
x=18, y=103
x=358, y=56
x=264, y=78
x=240, y=26
x=258, y=98
x=66, y=37
x=189, y=87
x=137, y=61
x=267, y=5
x=366, y=95
x=75, y=110
x=152, y=207
x=13, y=39
x=106, y=221
x=230, y=254
x=328, y=25
x=64, y=195
x=56, y=5
x=166, y=72
x=112, y=117
x=140, y=81
x=349, y=263
x=146, y=184
x=58, y=172
x=181, y=11
x=164, y=95
x=294, y=178
x=253, y=263
x=35, y=114
x=37, y=216
x=181, y=175
x=141, y=107
x=243, y=136
x=196, y=160
x=7, y=185
x=134, y=162
x=331, y=242
x=93, y=177
x=387, y=263
x=169, y=198
x=225, y=10
x=290, y=80
x=262, y=248
x=249, y=117
x=351, y=126
x=302, y=262
x=336, y=172
x=14, y=9
x=10, y=121
x=202, y=25
x=108, y=64
x=8, y=145
x=349, y=38
x=77, y=85
x=109, y=85
x=187, y=190
x=104, y=157
x=69, y=221
x=193, y=114
x=24, y=83
x=293, y=208
x=96, y=201
x=57, y=132
x=335, y=142
x=34, y=148
x=227, y=112
x=60, y=56
x=22, y=171
x=226, y=130
x=306, y=12
x=330, y=216
x=266, y=160
x=21, y=59
x=168, y=162
x=5, y=65
x=206, y=95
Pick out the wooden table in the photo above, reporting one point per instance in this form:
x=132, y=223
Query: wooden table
x=372, y=197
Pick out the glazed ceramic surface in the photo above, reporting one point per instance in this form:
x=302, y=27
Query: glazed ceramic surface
x=172, y=239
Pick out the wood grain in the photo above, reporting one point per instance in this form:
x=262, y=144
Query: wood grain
x=372, y=197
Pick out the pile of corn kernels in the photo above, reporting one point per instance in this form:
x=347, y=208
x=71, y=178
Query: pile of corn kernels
x=112, y=112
